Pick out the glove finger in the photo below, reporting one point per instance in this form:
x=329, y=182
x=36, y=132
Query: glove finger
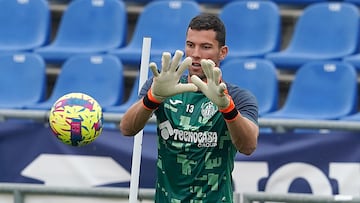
x=204, y=66
x=189, y=87
x=199, y=83
x=154, y=69
x=165, y=61
x=207, y=66
x=184, y=65
x=222, y=88
x=176, y=60
x=217, y=75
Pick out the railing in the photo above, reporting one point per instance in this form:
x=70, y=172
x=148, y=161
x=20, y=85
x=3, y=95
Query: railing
x=298, y=198
x=279, y=125
x=20, y=191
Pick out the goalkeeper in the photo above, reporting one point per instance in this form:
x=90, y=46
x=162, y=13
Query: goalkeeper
x=202, y=121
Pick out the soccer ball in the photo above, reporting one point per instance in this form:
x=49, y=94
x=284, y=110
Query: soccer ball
x=76, y=119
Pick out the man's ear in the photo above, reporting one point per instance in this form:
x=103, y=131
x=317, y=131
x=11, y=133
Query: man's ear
x=223, y=52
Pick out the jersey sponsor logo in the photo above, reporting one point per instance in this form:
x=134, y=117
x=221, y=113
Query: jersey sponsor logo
x=203, y=139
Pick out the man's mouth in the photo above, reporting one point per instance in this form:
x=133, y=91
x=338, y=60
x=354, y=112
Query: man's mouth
x=196, y=65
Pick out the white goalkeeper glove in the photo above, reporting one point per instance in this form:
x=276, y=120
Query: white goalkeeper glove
x=214, y=89
x=166, y=83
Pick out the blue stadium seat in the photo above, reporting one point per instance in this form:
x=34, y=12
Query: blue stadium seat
x=320, y=90
x=352, y=117
x=354, y=60
x=166, y=23
x=133, y=97
x=325, y=31
x=100, y=76
x=88, y=27
x=23, y=79
x=259, y=76
x=24, y=25
x=298, y=2
x=357, y=2
x=252, y=28
x=219, y=2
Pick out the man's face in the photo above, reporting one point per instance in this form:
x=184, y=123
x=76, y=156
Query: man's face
x=203, y=45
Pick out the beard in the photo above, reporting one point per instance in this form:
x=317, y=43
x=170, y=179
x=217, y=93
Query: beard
x=200, y=74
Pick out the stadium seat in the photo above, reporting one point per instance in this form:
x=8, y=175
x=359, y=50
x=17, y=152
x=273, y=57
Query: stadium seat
x=354, y=60
x=259, y=76
x=100, y=76
x=88, y=27
x=357, y=2
x=320, y=90
x=325, y=31
x=23, y=79
x=352, y=117
x=122, y=108
x=218, y=2
x=297, y=2
x=167, y=31
x=133, y=97
x=24, y=25
x=252, y=28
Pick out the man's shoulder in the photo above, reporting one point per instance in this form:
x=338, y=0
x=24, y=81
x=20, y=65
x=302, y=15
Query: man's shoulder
x=235, y=90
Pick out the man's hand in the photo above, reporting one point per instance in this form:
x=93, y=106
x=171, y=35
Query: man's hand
x=214, y=89
x=166, y=83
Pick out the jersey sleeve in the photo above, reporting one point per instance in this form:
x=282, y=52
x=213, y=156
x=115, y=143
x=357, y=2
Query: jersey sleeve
x=145, y=88
x=245, y=102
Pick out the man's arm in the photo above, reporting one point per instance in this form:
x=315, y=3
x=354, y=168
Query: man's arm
x=134, y=119
x=244, y=134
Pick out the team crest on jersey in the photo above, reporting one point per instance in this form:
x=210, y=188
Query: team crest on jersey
x=208, y=110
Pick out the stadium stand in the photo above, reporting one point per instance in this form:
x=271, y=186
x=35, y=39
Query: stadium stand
x=100, y=76
x=325, y=31
x=299, y=2
x=23, y=79
x=219, y=2
x=252, y=28
x=167, y=31
x=24, y=25
x=256, y=75
x=277, y=151
x=321, y=90
x=87, y=27
x=357, y=2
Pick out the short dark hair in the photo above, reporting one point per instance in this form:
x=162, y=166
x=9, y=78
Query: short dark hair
x=209, y=22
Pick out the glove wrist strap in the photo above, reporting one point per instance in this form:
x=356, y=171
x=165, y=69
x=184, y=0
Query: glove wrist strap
x=229, y=113
x=150, y=102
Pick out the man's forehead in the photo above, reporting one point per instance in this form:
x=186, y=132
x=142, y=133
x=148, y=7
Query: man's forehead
x=201, y=36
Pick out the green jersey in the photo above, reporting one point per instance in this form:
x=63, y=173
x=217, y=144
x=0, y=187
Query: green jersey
x=195, y=152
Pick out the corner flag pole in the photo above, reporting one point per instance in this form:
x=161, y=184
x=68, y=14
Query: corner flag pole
x=136, y=158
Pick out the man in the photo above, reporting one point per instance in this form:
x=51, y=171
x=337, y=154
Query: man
x=202, y=120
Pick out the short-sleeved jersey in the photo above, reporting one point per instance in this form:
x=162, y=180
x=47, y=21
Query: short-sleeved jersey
x=195, y=152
